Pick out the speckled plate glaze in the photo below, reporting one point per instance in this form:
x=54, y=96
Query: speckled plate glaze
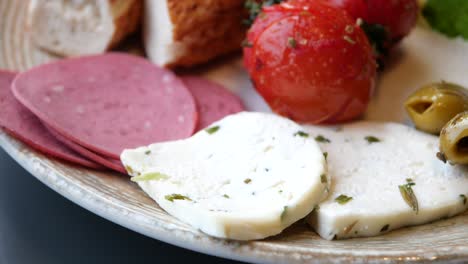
x=115, y=198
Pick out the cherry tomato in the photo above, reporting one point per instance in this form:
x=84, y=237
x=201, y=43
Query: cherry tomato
x=268, y=15
x=398, y=16
x=356, y=8
x=312, y=65
x=385, y=22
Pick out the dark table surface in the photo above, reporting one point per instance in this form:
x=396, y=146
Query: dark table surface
x=39, y=226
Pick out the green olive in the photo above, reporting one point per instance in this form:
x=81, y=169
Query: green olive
x=454, y=140
x=432, y=106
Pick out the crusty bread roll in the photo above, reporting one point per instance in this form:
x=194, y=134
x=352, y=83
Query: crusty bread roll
x=189, y=32
x=82, y=27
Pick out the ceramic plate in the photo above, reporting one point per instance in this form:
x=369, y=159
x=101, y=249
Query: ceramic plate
x=117, y=199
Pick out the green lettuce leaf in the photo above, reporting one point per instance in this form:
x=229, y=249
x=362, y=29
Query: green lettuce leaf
x=449, y=17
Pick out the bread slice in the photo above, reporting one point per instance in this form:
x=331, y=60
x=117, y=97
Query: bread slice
x=185, y=33
x=82, y=27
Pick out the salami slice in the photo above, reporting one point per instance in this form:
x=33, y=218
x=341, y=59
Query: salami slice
x=19, y=122
x=107, y=103
x=213, y=101
x=115, y=165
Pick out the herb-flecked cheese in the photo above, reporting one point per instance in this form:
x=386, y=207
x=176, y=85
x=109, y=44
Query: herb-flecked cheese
x=247, y=176
x=385, y=176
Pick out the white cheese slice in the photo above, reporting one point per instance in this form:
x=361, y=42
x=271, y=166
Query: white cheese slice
x=251, y=177
x=371, y=174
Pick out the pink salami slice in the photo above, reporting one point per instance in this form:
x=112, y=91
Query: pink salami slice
x=107, y=103
x=19, y=122
x=115, y=165
x=213, y=101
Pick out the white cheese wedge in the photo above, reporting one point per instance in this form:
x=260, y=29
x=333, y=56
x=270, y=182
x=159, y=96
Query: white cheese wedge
x=248, y=176
x=371, y=172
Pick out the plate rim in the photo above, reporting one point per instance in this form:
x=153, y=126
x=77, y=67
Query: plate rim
x=98, y=204
x=7, y=143
x=191, y=241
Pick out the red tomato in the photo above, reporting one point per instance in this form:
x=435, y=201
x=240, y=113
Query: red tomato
x=266, y=18
x=312, y=65
x=356, y=8
x=398, y=16
x=268, y=15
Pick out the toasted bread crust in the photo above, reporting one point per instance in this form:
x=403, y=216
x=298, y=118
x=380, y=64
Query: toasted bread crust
x=206, y=28
x=127, y=18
